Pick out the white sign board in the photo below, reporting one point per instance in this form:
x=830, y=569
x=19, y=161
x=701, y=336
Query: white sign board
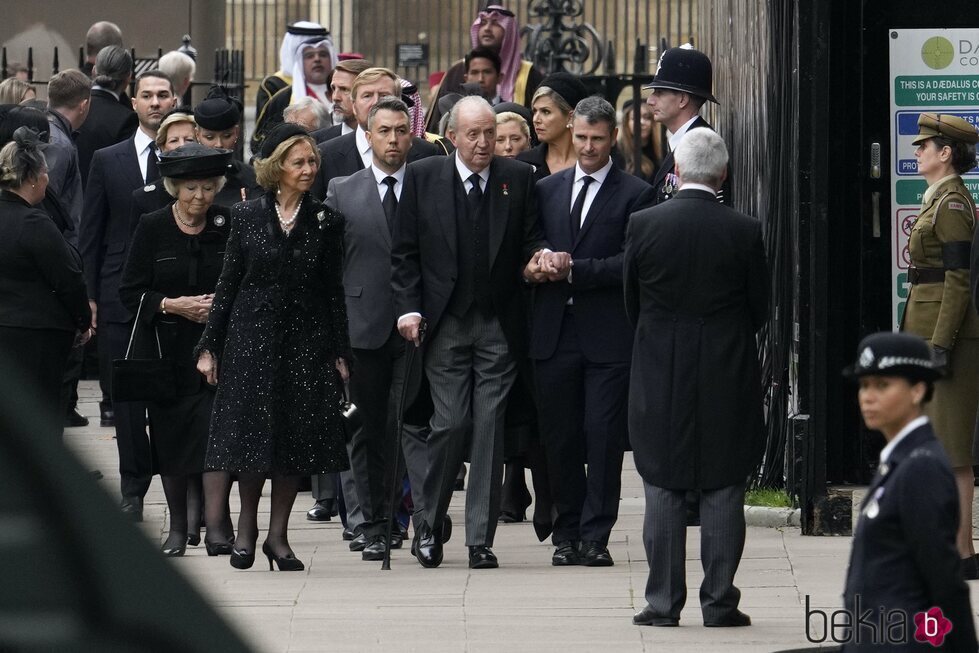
x=934, y=70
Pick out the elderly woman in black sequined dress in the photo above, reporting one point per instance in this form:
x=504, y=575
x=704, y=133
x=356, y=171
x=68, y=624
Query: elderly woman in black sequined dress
x=276, y=344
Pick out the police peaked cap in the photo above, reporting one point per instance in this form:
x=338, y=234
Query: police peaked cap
x=194, y=161
x=894, y=354
x=687, y=70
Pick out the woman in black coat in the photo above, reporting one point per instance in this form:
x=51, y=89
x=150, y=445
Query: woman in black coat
x=43, y=302
x=169, y=279
x=904, y=556
x=276, y=343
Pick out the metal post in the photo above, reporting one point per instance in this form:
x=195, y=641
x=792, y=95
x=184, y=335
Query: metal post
x=54, y=65
x=30, y=64
x=3, y=64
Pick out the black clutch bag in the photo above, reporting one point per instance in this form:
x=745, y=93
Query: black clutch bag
x=143, y=379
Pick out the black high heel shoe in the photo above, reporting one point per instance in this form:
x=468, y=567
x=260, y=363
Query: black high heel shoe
x=174, y=551
x=285, y=563
x=241, y=559
x=193, y=539
x=218, y=548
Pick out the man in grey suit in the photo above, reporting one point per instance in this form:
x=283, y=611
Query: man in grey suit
x=369, y=200
x=696, y=291
x=467, y=226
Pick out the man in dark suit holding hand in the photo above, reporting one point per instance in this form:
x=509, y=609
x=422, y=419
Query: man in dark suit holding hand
x=696, y=289
x=581, y=339
x=467, y=226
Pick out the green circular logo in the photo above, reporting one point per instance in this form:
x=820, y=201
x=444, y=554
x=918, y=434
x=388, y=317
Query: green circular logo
x=937, y=52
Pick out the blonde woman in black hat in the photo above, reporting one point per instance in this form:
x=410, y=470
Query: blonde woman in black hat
x=169, y=279
x=176, y=129
x=904, y=555
x=552, y=106
x=276, y=345
x=218, y=119
x=939, y=307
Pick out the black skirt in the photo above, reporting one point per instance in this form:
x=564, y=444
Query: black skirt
x=178, y=433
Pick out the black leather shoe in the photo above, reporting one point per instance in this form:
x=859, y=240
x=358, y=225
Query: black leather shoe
x=482, y=557
x=284, y=563
x=348, y=534
x=75, y=419
x=733, y=620
x=649, y=618
x=398, y=536
x=132, y=507
x=359, y=542
x=566, y=554
x=175, y=546
x=446, y=529
x=107, y=417
x=375, y=548
x=322, y=511
x=595, y=554
x=428, y=550
x=242, y=559
x=218, y=548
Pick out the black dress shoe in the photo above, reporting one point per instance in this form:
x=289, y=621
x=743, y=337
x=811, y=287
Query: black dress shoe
x=347, y=534
x=218, y=548
x=375, y=548
x=566, y=554
x=242, y=559
x=75, y=419
x=733, y=620
x=284, y=563
x=649, y=618
x=482, y=557
x=107, y=417
x=359, y=542
x=428, y=550
x=446, y=529
x=174, y=551
x=595, y=554
x=132, y=507
x=321, y=511
x=398, y=536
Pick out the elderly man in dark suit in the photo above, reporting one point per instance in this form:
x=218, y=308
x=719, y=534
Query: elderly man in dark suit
x=696, y=289
x=344, y=155
x=106, y=231
x=581, y=339
x=466, y=228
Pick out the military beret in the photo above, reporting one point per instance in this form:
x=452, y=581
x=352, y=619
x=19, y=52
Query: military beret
x=931, y=125
x=279, y=134
x=894, y=354
x=194, y=161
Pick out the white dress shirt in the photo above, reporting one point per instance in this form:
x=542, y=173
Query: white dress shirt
x=382, y=188
x=678, y=136
x=885, y=453
x=142, y=142
x=345, y=128
x=599, y=177
x=689, y=185
x=364, y=148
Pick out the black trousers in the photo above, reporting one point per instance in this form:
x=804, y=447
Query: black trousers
x=583, y=421
x=69, y=380
x=32, y=362
x=375, y=387
x=135, y=456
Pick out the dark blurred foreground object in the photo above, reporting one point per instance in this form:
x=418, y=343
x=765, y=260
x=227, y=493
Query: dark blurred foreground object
x=76, y=575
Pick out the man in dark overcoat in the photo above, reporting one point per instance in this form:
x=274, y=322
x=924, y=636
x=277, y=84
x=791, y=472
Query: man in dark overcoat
x=696, y=290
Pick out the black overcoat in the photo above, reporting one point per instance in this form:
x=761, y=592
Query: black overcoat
x=277, y=326
x=696, y=289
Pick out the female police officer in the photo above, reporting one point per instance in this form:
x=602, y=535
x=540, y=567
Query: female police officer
x=939, y=307
x=904, y=556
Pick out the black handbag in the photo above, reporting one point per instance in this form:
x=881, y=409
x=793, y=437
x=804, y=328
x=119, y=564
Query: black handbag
x=143, y=379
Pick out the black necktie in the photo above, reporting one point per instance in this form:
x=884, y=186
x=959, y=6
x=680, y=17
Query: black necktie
x=475, y=195
x=579, y=204
x=390, y=202
x=152, y=172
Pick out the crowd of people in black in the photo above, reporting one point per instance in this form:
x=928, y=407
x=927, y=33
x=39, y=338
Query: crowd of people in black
x=386, y=294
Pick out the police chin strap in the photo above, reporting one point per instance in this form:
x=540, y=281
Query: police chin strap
x=396, y=450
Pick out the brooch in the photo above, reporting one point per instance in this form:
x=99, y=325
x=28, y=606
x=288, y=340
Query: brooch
x=321, y=218
x=219, y=221
x=506, y=190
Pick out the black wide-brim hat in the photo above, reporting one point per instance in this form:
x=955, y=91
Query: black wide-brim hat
x=194, y=161
x=687, y=70
x=893, y=354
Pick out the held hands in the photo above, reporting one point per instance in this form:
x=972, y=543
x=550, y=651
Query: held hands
x=195, y=309
x=82, y=337
x=548, y=266
x=207, y=366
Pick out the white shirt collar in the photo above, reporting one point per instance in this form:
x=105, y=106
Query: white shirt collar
x=693, y=186
x=380, y=175
x=885, y=453
x=96, y=87
x=599, y=175
x=678, y=136
x=362, y=145
x=345, y=128
x=465, y=173
x=142, y=141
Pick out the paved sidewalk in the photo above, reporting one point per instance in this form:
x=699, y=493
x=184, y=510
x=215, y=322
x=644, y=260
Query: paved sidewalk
x=343, y=604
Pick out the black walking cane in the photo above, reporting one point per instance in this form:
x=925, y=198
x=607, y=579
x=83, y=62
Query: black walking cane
x=399, y=430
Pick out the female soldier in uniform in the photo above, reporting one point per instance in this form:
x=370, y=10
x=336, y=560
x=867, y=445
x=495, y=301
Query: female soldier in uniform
x=939, y=305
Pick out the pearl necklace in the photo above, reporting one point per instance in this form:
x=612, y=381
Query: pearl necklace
x=191, y=225
x=287, y=224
